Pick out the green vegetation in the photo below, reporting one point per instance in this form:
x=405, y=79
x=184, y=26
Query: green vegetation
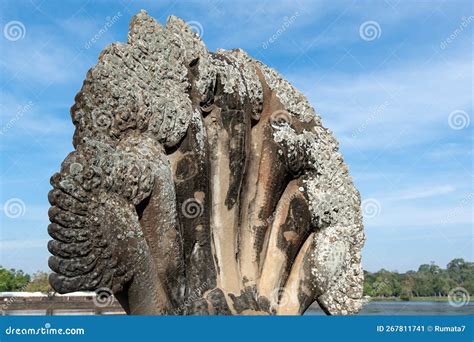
x=39, y=283
x=430, y=282
x=13, y=280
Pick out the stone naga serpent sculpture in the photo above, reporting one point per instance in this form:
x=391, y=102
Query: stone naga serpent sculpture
x=202, y=183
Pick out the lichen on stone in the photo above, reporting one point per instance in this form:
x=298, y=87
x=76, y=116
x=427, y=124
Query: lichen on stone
x=201, y=170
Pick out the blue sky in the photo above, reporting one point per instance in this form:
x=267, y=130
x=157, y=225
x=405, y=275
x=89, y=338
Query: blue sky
x=391, y=79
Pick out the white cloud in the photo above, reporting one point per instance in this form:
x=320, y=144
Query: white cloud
x=423, y=214
x=42, y=60
x=37, y=213
x=406, y=105
x=45, y=66
x=26, y=117
x=452, y=150
x=16, y=245
x=423, y=193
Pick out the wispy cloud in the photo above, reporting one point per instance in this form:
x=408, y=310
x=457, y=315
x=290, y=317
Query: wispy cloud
x=369, y=110
x=41, y=63
x=26, y=120
x=452, y=150
x=423, y=193
x=6, y=245
x=408, y=215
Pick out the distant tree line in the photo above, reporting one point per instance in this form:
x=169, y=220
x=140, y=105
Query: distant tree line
x=429, y=281
x=16, y=280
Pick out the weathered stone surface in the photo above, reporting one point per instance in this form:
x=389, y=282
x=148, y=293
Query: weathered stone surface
x=202, y=183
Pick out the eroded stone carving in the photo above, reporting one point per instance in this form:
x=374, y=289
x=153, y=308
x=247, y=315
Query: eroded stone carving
x=202, y=183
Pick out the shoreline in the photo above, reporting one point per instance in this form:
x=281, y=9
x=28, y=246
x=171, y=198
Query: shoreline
x=411, y=299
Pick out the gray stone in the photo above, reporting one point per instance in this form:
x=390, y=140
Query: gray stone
x=202, y=183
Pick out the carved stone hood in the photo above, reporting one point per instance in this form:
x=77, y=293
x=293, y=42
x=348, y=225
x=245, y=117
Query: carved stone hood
x=202, y=183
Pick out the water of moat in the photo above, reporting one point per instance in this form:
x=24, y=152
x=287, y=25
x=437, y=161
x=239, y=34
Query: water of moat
x=407, y=308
